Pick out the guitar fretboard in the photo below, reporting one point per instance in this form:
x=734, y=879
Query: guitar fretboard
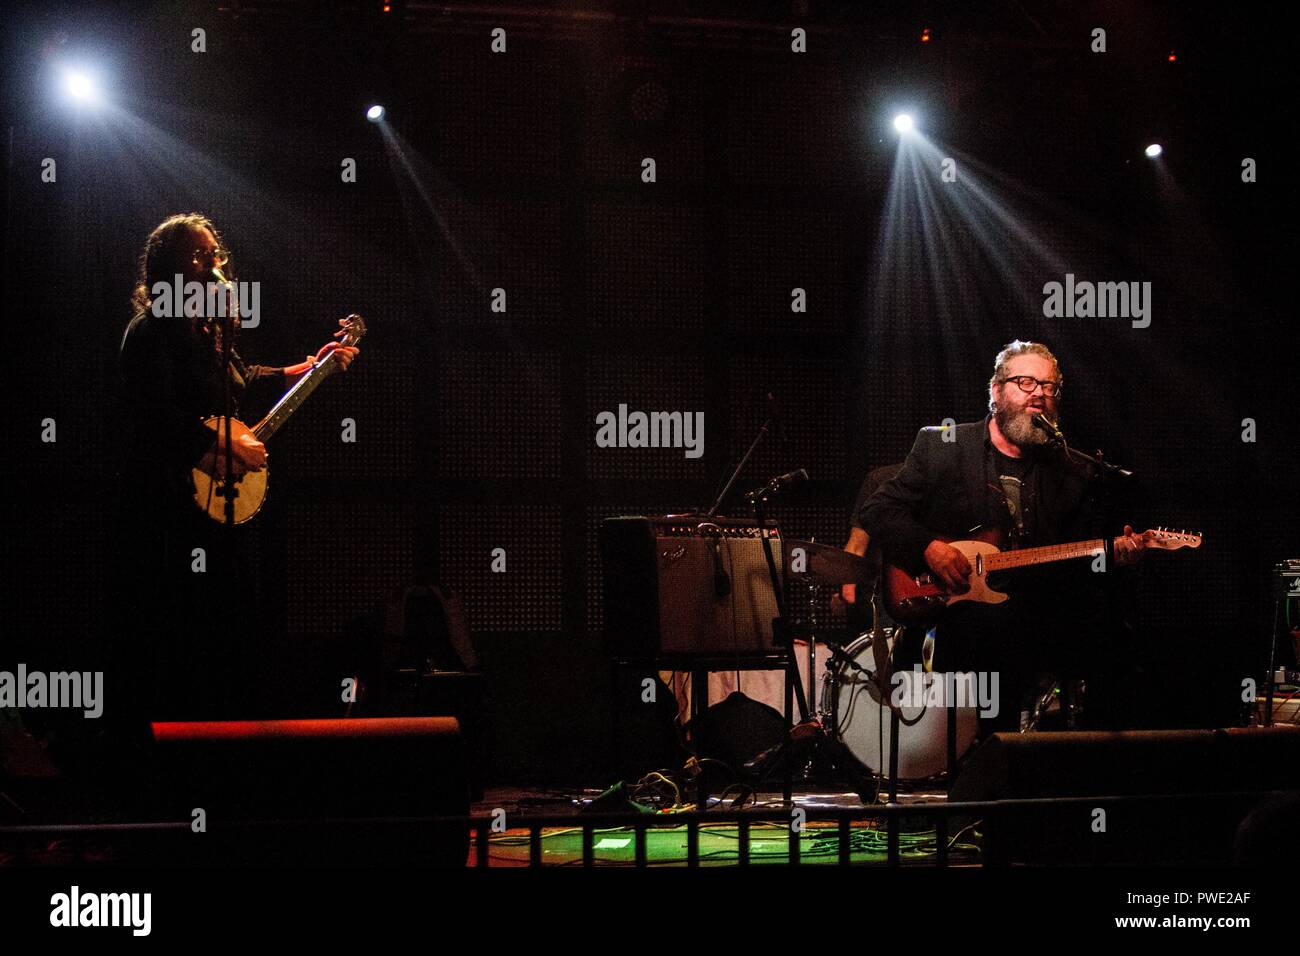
x=1005, y=560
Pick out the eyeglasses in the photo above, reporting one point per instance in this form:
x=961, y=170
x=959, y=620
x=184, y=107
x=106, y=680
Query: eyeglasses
x=1027, y=383
x=219, y=257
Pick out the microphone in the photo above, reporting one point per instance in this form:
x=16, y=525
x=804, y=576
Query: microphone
x=721, y=579
x=232, y=308
x=789, y=478
x=778, y=483
x=1049, y=426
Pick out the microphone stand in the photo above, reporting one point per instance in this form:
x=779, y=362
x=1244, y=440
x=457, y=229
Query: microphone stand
x=229, y=543
x=762, y=433
x=779, y=635
x=1105, y=470
x=229, y=491
x=1057, y=440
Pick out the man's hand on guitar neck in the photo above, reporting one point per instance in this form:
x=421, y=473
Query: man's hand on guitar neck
x=949, y=565
x=1130, y=546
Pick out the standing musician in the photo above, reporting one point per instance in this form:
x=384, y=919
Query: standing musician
x=1002, y=473
x=185, y=595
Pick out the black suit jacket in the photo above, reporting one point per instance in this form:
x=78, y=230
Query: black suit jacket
x=950, y=489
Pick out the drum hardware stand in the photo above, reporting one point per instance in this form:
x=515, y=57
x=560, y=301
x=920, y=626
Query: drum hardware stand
x=779, y=634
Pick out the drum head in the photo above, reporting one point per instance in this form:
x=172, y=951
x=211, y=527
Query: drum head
x=861, y=714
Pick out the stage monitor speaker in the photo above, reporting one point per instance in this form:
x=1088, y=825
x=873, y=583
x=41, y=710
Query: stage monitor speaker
x=1174, y=763
x=320, y=792
x=687, y=585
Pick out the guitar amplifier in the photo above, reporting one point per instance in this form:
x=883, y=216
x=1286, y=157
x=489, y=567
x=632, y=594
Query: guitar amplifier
x=687, y=585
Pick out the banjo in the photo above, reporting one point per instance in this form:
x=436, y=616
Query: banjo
x=250, y=487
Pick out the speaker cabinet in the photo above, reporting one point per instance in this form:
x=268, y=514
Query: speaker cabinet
x=687, y=585
x=1170, y=764
x=320, y=792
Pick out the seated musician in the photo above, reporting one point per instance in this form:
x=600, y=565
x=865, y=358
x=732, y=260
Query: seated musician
x=1002, y=475
x=858, y=610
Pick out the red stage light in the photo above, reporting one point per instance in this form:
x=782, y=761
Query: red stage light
x=1172, y=56
x=925, y=35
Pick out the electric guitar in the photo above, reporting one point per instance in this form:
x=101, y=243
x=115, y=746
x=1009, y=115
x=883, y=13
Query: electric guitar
x=913, y=599
x=250, y=487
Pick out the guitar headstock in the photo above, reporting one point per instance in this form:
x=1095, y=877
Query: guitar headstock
x=354, y=327
x=1168, y=540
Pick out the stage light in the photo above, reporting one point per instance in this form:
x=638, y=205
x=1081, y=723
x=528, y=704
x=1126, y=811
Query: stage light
x=375, y=113
x=903, y=123
x=1154, y=150
x=925, y=35
x=1173, y=57
x=80, y=86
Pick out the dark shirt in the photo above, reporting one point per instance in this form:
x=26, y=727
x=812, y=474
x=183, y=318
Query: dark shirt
x=875, y=478
x=172, y=381
x=859, y=612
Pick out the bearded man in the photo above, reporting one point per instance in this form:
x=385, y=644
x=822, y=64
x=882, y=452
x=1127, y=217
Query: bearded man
x=1003, y=474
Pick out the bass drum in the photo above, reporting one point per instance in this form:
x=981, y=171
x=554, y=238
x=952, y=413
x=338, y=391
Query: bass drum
x=860, y=713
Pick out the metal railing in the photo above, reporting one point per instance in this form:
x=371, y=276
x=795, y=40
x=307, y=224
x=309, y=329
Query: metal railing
x=992, y=813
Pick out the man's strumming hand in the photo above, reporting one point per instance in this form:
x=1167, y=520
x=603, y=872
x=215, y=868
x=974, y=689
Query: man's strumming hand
x=949, y=566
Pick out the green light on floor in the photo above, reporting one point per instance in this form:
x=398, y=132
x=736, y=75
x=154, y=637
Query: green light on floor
x=611, y=843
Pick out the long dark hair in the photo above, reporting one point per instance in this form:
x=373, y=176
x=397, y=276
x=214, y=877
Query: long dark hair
x=164, y=254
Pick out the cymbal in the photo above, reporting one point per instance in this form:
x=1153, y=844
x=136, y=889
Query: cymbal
x=828, y=565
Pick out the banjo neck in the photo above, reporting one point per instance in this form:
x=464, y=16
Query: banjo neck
x=293, y=399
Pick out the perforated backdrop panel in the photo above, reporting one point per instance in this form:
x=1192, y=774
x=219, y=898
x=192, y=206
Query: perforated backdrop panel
x=499, y=117
x=498, y=415
x=515, y=246
x=772, y=252
x=344, y=560
x=790, y=135
x=811, y=400
x=527, y=595
x=646, y=268
x=636, y=109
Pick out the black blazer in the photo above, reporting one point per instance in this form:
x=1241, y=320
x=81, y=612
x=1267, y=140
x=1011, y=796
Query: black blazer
x=950, y=489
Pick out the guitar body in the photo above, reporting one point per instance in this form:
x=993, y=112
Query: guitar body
x=917, y=599
x=250, y=487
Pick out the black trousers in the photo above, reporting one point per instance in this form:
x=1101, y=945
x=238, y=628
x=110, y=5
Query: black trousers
x=1052, y=623
x=185, y=625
